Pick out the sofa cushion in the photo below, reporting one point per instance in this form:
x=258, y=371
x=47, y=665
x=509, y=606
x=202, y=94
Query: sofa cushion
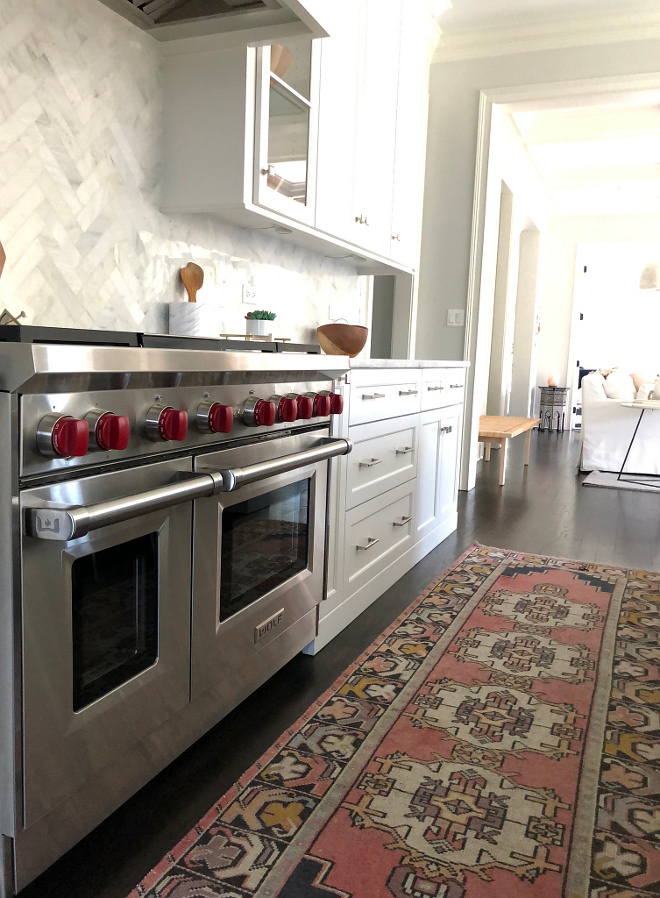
x=619, y=385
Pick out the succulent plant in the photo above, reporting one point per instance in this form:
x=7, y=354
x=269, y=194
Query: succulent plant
x=262, y=314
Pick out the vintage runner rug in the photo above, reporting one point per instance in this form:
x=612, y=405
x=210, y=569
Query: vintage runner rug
x=501, y=738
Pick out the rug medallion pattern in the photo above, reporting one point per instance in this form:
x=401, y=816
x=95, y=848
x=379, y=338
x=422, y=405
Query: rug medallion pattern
x=501, y=737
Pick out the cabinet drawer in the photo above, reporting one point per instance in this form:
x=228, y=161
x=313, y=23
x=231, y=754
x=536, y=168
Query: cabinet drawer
x=378, y=402
x=441, y=387
x=377, y=533
x=384, y=456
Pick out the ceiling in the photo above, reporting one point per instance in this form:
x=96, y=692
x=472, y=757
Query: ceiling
x=600, y=155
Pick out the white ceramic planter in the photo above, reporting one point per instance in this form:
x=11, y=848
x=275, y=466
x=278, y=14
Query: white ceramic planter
x=258, y=326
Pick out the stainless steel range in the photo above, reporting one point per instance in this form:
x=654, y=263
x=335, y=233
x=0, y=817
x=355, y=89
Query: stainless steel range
x=162, y=536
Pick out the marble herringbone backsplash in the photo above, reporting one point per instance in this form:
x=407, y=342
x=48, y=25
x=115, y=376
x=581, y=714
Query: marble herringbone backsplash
x=80, y=120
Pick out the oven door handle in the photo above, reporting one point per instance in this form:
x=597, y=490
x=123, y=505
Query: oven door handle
x=63, y=524
x=234, y=478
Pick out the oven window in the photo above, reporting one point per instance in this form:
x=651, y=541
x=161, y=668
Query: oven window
x=265, y=542
x=114, y=616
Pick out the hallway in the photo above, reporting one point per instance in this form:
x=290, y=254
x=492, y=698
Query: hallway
x=541, y=509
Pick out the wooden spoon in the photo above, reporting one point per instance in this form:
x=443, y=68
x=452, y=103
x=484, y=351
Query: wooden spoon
x=193, y=278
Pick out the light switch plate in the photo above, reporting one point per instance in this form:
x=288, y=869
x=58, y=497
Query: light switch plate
x=455, y=317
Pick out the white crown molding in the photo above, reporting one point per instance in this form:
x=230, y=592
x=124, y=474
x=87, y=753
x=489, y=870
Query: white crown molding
x=549, y=34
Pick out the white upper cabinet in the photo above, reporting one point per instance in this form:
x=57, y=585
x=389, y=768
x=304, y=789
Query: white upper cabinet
x=320, y=139
x=372, y=125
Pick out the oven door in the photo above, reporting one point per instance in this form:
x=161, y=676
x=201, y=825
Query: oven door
x=106, y=620
x=258, y=566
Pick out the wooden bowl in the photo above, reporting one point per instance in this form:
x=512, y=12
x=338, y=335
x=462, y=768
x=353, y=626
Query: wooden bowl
x=342, y=339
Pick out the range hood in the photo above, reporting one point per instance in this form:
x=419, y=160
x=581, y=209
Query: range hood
x=253, y=20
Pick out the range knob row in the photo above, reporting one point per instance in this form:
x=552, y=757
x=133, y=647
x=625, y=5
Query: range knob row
x=63, y=436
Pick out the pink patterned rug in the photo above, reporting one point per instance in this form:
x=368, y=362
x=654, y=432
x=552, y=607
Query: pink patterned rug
x=501, y=738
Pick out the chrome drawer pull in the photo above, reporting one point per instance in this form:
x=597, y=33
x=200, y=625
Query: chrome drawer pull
x=407, y=392
x=370, y=462
x=371, y=542
x=405, y=450
x=373, y=396
x=402, y=522
x=433, y=389
x=455, y=386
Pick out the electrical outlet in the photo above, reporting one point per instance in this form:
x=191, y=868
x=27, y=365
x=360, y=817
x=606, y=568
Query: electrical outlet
x=249, y=295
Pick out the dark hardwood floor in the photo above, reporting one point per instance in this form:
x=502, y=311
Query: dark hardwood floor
x=542, y=508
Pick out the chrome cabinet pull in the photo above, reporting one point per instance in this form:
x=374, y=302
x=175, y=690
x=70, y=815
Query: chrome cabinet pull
x=447, y=429
x=370, y=462
x=405, y=450
x=371, y=542
x=433, y=389
x=408, y=392
x=233, y=478
x=455, y=386
x=402, y=522
x=373, y=395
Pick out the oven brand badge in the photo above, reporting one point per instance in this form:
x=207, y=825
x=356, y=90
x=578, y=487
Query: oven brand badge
x=269, y=625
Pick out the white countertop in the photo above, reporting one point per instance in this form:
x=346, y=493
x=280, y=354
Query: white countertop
x=406, y=363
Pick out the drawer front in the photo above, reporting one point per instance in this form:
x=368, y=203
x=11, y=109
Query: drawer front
x=441, y=387
x=384, y=456
x=377, y=533
x=379, y=402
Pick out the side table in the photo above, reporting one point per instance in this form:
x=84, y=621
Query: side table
x=651, y=480
x=553, y=408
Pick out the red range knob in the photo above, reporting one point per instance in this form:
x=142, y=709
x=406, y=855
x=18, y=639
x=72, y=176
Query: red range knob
x=264, y=413
x=112, y=431
x=305, y=408
x=166, y=423
x=336, y=403
x=287, y=408
x=63, y=436
x=321, y=406
x=220, y=418
x=70, y=438
x=173, y=424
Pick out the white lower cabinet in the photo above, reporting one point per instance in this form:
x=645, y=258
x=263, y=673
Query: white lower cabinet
x=394, y=497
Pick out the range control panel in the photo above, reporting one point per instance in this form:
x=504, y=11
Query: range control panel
x=59, y=431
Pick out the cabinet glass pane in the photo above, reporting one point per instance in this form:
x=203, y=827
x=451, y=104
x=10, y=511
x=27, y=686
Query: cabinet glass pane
x=288, y=140
x=292, y=63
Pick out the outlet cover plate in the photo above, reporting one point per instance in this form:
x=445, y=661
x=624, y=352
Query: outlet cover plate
x=249, y=295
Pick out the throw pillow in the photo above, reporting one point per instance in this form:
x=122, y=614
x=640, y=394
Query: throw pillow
x=619, y=385
x=656, y=390
x=645, y=390
x=644, y=377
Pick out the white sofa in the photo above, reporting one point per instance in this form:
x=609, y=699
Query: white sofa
x=607, y=426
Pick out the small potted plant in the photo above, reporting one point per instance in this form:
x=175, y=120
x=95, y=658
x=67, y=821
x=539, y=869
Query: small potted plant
x=256, y=322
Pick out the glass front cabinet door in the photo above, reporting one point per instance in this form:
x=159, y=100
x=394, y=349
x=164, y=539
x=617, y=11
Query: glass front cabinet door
x=286, y=128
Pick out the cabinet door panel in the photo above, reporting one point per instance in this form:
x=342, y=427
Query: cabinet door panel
x=286, y=130
x=376, y=125
x=340, y=73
